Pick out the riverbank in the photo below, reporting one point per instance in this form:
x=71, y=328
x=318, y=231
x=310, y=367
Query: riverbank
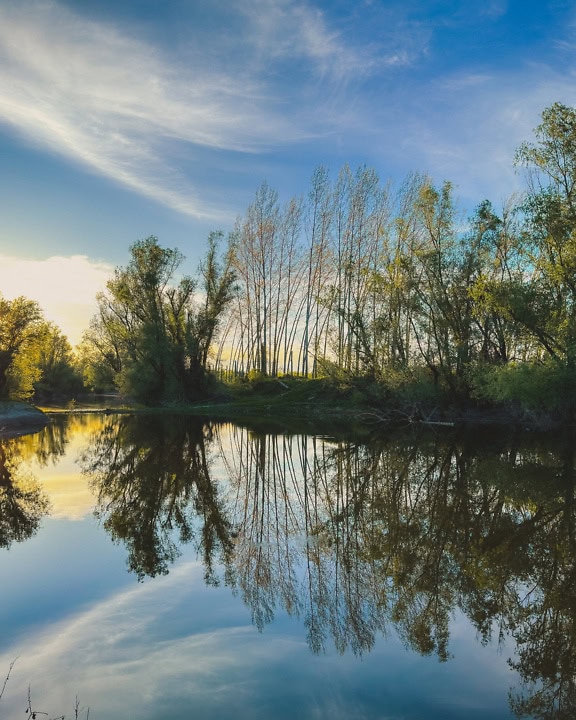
x=361, y=401
x=19, y=418
x=316, y=405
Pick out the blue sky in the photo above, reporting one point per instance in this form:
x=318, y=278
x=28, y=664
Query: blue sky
x=120, y=120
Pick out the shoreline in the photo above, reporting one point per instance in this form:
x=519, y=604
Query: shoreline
x=20, y=418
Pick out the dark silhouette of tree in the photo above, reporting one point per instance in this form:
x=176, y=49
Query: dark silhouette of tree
x=152, y=480
x=23, y=504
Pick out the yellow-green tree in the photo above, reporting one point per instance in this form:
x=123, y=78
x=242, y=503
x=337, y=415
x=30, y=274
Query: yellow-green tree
x=22, y=327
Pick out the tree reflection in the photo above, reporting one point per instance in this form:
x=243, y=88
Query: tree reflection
x=359, y=539
x=23, y=504
x=402, y=533
x=154, y=491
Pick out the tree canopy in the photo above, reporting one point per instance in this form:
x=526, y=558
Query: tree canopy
x=153, y=331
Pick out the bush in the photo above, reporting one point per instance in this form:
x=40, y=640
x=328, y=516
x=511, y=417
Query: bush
x=545, y=386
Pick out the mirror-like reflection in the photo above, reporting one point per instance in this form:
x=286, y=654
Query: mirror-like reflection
x=356, y=539
x=152, y=482
x=23, y=503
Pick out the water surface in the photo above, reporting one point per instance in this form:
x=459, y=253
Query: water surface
x=163, y=567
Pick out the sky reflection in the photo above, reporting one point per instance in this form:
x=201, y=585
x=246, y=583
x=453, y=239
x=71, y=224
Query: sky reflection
x=171, y=645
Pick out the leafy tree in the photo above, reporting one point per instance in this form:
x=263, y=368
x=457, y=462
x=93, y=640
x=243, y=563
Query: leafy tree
x=548, y=309
x=56, y=363
x=202, y=326
x=21, y=329
x=150, y=332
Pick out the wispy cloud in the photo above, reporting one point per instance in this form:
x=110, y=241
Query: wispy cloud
x=140, y=647
x=494, y=8
x=116, y=103
x=281, y=29
x=140, y=114
x=174, y=124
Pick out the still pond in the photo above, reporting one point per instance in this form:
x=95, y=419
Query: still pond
x=163, y=567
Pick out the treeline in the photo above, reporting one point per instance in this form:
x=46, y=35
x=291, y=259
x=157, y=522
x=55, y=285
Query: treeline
x=149, y=340
x=356, y=279
x=361, y=279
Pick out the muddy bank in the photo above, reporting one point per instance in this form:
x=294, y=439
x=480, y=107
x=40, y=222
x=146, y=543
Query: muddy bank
x=18, y=418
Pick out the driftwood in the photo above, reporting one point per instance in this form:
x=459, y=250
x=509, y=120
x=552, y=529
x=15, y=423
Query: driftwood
x=414, y=416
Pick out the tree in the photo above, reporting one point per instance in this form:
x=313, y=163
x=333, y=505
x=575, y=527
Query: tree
x=21, y=328
x=149, y=330
x=202, y=326
x=55, y=360
x=550, y=236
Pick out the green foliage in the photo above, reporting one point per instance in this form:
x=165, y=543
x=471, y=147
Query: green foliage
x=549, y=241
x=414, y=386
x=97, y=373
x=59, y=375
x=542, y=386
x=151, y=335
x=22, y=329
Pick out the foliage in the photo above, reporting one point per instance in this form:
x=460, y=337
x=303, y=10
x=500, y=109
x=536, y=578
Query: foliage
x=544, y=386
x=21, y=330
x=59, y=375
x=549, y=240
x=151, y=335
x=355, y=280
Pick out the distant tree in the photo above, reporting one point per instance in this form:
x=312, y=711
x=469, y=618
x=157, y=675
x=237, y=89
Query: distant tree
x=56, y=363
x=93, y=362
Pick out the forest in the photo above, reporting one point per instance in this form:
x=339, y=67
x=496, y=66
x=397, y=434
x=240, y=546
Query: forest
x=356, y=280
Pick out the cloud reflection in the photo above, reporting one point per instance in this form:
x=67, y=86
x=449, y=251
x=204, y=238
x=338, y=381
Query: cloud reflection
x=144, y=647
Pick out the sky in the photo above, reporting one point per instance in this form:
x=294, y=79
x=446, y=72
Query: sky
x=121, y=120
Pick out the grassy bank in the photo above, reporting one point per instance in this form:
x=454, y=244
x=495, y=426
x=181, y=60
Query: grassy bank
x=361, y=401
x=320, y=405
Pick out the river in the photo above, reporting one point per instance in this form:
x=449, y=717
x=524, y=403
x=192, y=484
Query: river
x=157, y=567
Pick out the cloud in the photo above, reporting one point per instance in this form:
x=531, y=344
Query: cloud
x=281, y=29
x=64, y=287
x=118, y=105
x=494, y=9
x=121, y=105
x=176, y=124
x=142, y=648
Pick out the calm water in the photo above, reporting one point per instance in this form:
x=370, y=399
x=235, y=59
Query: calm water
x=161, y=567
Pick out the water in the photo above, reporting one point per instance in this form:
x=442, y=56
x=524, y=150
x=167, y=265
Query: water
x=161, y=567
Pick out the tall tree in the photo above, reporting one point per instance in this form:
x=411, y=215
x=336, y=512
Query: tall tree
x=203, y=325
x=546, y=304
